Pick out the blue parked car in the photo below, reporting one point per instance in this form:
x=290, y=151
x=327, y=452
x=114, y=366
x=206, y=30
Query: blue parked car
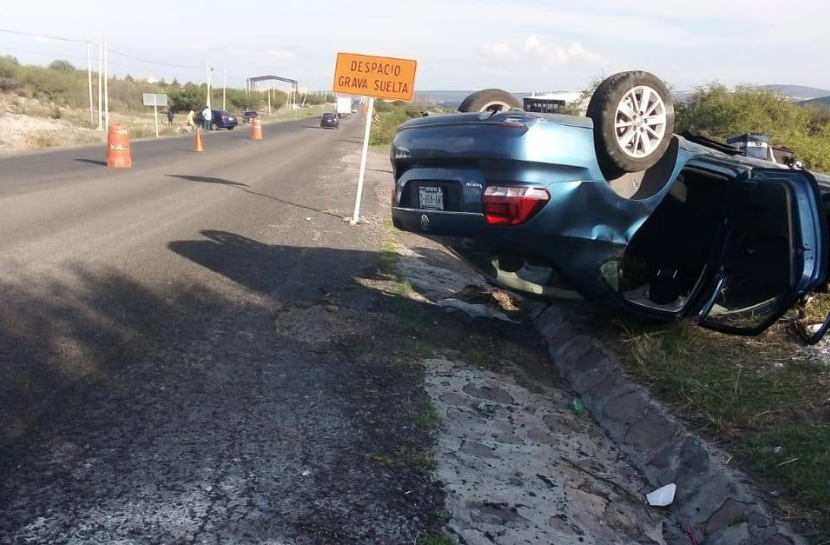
x=614, y=208
x=220, y=119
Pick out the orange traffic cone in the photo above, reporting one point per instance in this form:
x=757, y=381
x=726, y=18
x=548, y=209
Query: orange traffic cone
x=198, y=146
x=118, y=147
x=256, y=129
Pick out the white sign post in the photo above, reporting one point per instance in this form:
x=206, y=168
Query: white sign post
x=363, y=159
x=155, y=100
x=375, y=77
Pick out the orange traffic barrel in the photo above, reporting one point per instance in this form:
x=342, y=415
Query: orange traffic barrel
x=118, y=147
x=256, y=129
x=197, y=145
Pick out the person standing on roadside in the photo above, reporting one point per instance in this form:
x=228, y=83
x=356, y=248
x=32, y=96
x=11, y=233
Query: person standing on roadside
x=191, y=120
x=170, y=116
x=207, y=116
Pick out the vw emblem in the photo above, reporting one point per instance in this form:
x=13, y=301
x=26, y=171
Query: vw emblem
x=425, y=222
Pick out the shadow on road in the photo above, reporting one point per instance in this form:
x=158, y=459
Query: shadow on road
x=208, y=180
x=293, y=273
x=70, y=329
x=241, y=187
x=132, y=406
x=75, y=330
x=92, y=162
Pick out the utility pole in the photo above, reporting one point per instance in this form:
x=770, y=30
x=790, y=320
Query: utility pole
x=106, y=87
x=89, y=81
x=224, y=86
x=100, y=85
x=209, y=70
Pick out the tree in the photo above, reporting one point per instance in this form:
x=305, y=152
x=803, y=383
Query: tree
x=45, y=82
x=62, y=65
x=8, y=67
x=188, y=97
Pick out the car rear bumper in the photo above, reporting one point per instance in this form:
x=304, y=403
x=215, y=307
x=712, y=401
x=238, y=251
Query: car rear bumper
x=571, y=254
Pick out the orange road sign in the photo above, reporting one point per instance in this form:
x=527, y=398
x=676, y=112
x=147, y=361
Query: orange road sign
x=378, y=77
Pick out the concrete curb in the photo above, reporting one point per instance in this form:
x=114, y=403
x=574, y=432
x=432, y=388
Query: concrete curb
x=711, y=497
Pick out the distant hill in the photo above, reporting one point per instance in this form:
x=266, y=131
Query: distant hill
x=447, y=99
x=451, y=99
x=823, y=101
x=797, y=92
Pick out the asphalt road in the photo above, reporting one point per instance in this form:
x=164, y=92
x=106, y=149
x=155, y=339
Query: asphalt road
x=146, y=395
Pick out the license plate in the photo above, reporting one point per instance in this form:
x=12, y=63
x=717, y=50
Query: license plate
x=431, y=197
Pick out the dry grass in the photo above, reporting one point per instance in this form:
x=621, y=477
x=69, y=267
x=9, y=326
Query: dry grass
x=762, y=398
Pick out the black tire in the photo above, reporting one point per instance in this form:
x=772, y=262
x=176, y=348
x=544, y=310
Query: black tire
x=214, y=126
x=489, y=100
x=615, y=159
x=230, y=128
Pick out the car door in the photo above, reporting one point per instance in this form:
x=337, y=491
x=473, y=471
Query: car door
x=774, y=253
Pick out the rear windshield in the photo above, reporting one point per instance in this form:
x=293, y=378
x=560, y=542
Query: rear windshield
x=328, y=116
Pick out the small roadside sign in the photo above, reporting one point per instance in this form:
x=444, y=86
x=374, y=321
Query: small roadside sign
x=377, y=77
x=155, y=100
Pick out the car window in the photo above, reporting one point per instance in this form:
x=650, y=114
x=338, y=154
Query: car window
x=760, y=265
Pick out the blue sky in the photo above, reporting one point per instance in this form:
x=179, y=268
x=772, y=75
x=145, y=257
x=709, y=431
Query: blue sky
x=460, y=44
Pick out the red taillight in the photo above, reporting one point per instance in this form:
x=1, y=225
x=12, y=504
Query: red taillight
x=512, y=205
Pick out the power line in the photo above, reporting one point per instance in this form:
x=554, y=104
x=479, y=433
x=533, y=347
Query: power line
x=137, y=58
x=44, y=53
x=36, y=35
x=129, y=55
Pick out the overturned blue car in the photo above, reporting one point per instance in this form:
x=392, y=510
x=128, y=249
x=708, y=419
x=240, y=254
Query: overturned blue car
x=614, y=208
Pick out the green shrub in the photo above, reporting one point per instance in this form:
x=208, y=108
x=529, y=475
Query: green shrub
x=62, y=65
x=715, y=112
x=389, y=117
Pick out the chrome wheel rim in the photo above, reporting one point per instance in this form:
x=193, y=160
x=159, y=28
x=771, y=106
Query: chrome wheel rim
x=640, y=122
x=496, y=106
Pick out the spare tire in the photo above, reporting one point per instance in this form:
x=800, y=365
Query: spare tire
x=489, y=100
x=633, y=116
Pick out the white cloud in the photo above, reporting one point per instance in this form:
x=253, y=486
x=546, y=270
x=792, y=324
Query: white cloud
x=534, y=57
x=281, y=54
x=498, y=52
x=575, y=52
x=534, y=46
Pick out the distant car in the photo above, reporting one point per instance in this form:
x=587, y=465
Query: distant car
x=249, y=116
x=220, y=119
x=615, y=209
x=354, y=111
x=329, y=121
